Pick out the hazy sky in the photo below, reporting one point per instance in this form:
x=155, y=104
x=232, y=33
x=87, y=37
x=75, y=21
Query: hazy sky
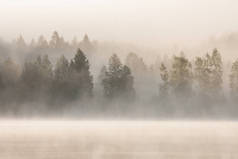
x=136, y=21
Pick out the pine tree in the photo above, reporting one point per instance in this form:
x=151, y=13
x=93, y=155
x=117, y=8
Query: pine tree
x=164, y=86
x=9, y=74
x=46, y=69
x=118, y=81
x=127, y=83
x=208, y=74
x=181, y=77
x=36, y=78
x=216, y=70
x=61, y=85
x=234, y=80
x=55, y=40
x=61, y=69
x=86, y=45
x=111, y=83
x=80, y=75
x=136, y=64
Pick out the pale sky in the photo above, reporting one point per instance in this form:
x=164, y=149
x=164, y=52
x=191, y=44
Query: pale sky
x=135, y=21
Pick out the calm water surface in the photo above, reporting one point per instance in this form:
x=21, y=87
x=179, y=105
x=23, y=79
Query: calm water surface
x=118, y=140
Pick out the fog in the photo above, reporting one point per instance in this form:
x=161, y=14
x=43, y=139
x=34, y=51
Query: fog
x=118, y=139
x=153, y=23
x=108, y=79
x=53, y=77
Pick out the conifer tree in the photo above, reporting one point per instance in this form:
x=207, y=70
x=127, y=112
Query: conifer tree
x=164, y=86
x=36, y=78
x=136, y=64
x=55, y=40
x=208, y=74
x=61, y=84
x=87, y=46
x=234, y=80
x=181, y=77
x=61, y=69
x=118, y=81
x=81, y=79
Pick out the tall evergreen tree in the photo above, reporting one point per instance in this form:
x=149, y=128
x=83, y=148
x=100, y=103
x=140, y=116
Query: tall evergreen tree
x=80, y=75
x=61, y=84
x=87, y=46
x=9, y=75
x=9, y=72
x=61, y=71
x=46, y=69
x=164, y=86
x=118, y=81
x=181, y=77
x=111, y=82
x=216, y=70
x=55, y=40
x=208, y=74
x=36, y=77
x=136, y=64
x=127, y=83
x=234, y=80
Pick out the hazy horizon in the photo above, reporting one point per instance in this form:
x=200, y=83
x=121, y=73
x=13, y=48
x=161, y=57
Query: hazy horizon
x=118, y=79
x=158, y=22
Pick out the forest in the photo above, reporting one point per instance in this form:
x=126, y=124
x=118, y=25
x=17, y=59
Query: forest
x=56, y=77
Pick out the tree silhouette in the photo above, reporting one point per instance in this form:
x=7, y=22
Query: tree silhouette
x=80, y=77
x=118, y=81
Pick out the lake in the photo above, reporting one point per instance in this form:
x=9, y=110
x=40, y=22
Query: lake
x=58, y=139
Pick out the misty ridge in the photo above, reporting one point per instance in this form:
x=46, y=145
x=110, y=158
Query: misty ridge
x=84, y=78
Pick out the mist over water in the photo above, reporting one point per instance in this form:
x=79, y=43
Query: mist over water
x=118, y=139
x=118, y=79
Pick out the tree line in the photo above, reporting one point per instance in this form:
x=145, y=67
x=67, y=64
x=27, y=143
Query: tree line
x=181, y=81
x=72, y=79
x=66, y=81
